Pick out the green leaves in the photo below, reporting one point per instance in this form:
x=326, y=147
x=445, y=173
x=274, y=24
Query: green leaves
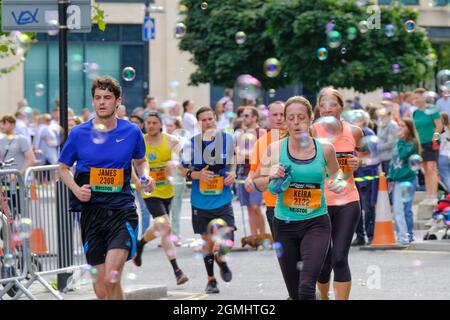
x=98, y=16
x=292, y=31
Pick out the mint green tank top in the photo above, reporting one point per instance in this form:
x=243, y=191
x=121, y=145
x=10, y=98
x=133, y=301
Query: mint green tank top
x=305, y=197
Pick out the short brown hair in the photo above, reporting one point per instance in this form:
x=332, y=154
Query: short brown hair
x=203, y=109
x=254, y=111
x=420, y=91
x=8, y=118
x=107, y=83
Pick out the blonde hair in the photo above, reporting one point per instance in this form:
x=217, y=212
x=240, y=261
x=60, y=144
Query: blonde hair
x=304, y=102
x=330, y=90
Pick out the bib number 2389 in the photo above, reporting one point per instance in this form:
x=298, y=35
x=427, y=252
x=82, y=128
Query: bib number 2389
x=106, y=180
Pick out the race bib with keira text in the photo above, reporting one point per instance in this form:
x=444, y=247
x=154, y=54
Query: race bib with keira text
x=106, y=180
x=304, y=196
x=213, y=187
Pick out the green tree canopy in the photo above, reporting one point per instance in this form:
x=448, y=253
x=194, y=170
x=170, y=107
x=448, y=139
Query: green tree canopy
x=293, y=31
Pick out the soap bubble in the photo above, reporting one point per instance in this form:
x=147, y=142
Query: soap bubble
x=344, y=50
x=76, y=62
x=395, y=68
x=91, y=69
x=128, y=74
x=39, y=89
x=415, y=162
x=115, y=276
x=131, y=276
x=99, y=134
x=410, y=26
x=322, y=54
x=389, y=30
x=8, y=260
x=272, y=67
x=352, y=33
x=278, y=249
x=334, y=39
x=272, y=93
x=180, y=30
x=443, y=76
x=52, y=27
x=363, y=26
x=204, y=5
x=94, y=274
x=248, y=87
x=369, y=144
x=407, y=190
x=240, y=37
x=331, y=127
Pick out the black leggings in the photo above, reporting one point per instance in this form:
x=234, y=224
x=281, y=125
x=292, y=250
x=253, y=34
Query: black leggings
x=304, y=247
x=270, y=212
x=344, y=220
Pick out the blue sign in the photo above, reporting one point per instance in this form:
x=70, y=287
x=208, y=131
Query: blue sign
x=148, y=29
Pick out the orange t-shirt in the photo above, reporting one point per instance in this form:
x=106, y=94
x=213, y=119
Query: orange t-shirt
x=258, y=151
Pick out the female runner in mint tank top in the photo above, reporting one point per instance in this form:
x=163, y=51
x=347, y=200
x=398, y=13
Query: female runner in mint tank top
x=344, y=209
x=301, y=224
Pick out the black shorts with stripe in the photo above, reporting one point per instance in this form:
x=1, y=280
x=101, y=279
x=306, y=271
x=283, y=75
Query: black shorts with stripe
x=105, y=229
x=202, y=217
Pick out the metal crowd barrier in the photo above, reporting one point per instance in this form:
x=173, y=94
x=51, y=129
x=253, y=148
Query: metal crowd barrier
x=40, y=236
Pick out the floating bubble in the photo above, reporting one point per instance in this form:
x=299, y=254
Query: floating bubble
x=387, y=96
x=23, y=228
x=410, y=26
x=217, y=227
x=174, y=238
x=131, y=276
x=52, y=27
x=115, y=276
x=240, y=37
x=432, y=3
x=331, y=128
x=230, y=114
x=99, y=134
x=267, y=244
x=304, y=139
x=344, y=50
x=443, y=76
x=180, y=30
x=395, y=68
x=389, y=30
x=322, y=54
x=300, y=265
x=128, y=74
x=39, y=89
x=204, y=5
x=94, y=274
x=417, y=263
x=76, y=62
x=369, y=144
x=278, y=249
x=334, y=39
x=361, y=3
x=91, y=69
x=272, y=67
x=407, y=190
x=431, y=109
x=248, y=87
x=358, y=117
x=352, y=33
x=415, y=162
x=447, y=86
x=363, y=26
x=8, y=260
x=272, y=93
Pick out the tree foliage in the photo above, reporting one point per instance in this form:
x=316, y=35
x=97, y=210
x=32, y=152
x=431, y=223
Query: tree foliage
x=293, y=31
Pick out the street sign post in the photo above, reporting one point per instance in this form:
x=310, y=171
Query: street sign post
x=35, y=15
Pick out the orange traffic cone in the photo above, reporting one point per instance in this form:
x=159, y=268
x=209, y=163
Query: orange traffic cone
x=37, y=241
x=384, y=236
x=33, y=191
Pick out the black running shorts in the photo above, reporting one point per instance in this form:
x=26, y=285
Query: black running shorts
x=106, y=229
x=202, y=217
x=158, y=206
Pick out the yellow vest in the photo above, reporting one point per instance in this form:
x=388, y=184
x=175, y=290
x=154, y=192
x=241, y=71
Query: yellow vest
x=157, y=157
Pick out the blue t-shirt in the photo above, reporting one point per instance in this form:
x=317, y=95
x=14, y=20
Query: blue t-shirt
x=219, y=155
x=122, y=144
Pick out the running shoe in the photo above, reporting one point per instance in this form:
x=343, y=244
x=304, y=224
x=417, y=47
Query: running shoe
x=211, y=287
x=225, y=271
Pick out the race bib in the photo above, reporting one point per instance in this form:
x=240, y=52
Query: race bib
x=159, y=175
x=343, y=163
x=213, y=187
x=306, y=196
x=106, y=180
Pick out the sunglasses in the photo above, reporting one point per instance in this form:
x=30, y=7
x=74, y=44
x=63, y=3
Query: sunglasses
x=246, y=115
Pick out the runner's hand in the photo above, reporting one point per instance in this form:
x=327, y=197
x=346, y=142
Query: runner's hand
x=205, y=174
x=353, y=162
x=249, y=184
x=138, y=185
x=84, y=193
x=149, y=187
x=229, y=180
x=276, y=171
x=336, y=185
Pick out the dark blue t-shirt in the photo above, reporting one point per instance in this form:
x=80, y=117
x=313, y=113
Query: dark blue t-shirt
x=219, y=155
x=122, y=144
